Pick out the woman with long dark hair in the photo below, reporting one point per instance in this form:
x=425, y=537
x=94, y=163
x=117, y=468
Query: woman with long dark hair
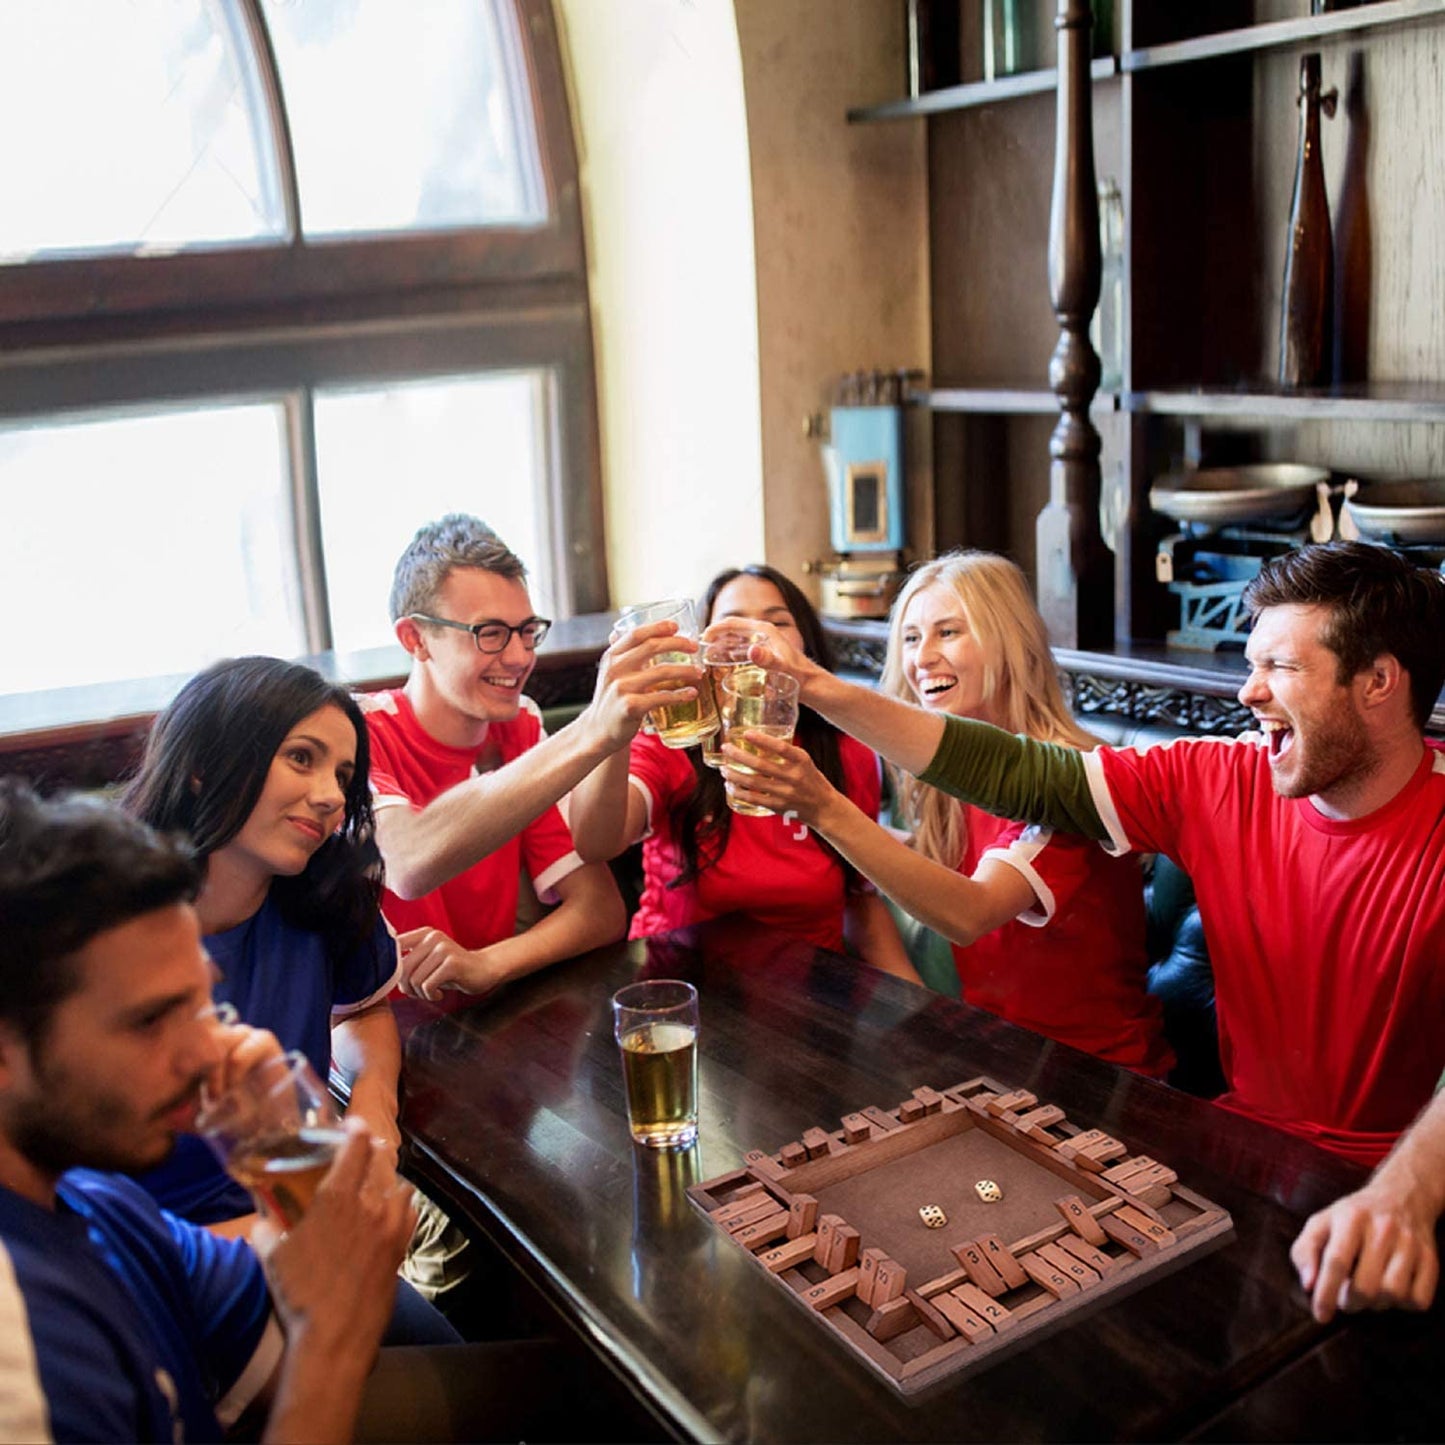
x=262, y=766
x=700, y=859
x=1047, y=929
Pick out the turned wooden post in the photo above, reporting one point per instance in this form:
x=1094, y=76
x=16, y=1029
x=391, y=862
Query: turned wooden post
x=1075, y=568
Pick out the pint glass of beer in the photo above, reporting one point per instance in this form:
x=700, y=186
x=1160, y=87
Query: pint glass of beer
x=656, y=1027
x=683, y=724
x=753, y=699
x=719, y=657
x=276, y=1132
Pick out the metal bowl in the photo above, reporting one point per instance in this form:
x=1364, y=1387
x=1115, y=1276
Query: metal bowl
x=1400, y=511
x=1222, y=496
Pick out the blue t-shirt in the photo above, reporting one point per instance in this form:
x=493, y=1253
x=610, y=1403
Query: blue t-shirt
x=279, y=978
x=121, y=1322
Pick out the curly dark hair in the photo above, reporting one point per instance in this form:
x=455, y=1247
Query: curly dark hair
x=72, y=867
x=206, y=762
x=1378, y=603
x=702, y=821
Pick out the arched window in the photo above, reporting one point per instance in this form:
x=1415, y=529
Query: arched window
x=279, y=282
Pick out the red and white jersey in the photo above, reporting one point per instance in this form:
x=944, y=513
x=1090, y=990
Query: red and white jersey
x=1327, y=938
x=773, y=869
x=1075, y=968
x=409, y=768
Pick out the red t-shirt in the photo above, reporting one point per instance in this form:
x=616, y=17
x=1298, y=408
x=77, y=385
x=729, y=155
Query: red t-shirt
x=1327, y=938
x=772, y=869
x=1074, y=968
x=409, y=768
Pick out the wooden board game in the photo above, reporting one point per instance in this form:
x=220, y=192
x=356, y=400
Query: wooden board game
x=964, y=1224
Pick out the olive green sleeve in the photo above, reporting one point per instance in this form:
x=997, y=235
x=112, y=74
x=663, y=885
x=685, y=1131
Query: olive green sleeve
x=1015, y=777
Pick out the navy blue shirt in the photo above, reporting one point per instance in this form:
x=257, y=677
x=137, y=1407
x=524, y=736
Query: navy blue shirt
x=121, y=1322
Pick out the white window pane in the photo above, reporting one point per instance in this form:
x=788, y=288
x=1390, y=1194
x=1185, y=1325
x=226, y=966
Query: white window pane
x=402, y=115
x=135, y=127
x=391, y=458
x=139, y=546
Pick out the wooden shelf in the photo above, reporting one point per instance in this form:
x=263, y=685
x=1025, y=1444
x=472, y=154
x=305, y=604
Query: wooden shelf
x=1278, y=34
x=1401, y=401
x=980, y=92
x=1003, y=400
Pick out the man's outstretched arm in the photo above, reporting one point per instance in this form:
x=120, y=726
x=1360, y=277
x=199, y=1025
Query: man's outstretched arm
x=426, y=847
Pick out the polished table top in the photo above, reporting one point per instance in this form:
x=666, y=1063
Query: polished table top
x=516, y=1105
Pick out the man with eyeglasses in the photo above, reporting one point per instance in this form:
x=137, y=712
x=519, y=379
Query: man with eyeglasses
x=466, y=782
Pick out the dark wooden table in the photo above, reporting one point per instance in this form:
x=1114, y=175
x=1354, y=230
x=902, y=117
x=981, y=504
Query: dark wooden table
x=516, y=1108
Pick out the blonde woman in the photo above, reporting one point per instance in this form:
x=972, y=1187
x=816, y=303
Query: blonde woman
x=1047, y=929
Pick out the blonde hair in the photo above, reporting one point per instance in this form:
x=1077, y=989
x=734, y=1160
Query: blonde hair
x=1020, y=680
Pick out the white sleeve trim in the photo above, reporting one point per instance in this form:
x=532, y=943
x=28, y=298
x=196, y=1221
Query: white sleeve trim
x=389, y=800
x=547, y=880
x=24, y=1410
x=1117, y=842
x=647, y=798
x=1020, y=855
x=269, y=1349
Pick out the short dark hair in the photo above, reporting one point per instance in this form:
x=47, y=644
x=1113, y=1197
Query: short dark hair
x=456, y=540
x=72, y=867
x=207, y=760
x=1378, y=602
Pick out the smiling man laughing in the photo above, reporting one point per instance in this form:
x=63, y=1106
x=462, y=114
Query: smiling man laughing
x=464, y=796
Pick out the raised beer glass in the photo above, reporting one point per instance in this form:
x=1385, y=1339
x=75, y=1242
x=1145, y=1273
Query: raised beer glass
x=683, y=724
x=752, y=699
x=656, y=1027
x=718, y=657
x=276, y=1132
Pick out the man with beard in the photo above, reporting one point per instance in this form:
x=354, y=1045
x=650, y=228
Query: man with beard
x=1317, y=849
x=122, y=1322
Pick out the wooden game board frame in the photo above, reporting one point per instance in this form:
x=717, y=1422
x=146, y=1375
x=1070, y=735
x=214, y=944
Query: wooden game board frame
x=1126, y=1218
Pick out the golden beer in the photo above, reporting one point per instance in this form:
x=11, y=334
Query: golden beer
x=659, y=1063
x=712, y=744
x=282, y=1171
x=684, y=724
x=768, y=730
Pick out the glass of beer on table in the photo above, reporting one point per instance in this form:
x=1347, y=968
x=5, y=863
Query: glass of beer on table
x=683, y=724
x=720, y=656
x=753, y=699
x=656, y=1027
x=276, y=1132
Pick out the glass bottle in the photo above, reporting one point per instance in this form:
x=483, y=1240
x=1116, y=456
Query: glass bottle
x=1304, y=332
x=934, y=54
x=1106, y=331
x=1008, y=38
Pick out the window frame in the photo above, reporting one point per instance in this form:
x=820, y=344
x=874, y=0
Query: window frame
x=89, y=334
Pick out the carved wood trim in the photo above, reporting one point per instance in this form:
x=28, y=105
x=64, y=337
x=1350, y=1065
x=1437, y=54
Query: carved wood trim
x=1075, y=569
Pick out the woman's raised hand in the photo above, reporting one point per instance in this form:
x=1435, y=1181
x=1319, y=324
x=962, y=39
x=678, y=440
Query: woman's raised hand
x=773, y=650
x=779, y=776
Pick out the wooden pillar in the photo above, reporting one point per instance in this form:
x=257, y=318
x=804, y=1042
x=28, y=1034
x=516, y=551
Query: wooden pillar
x=1075, y=568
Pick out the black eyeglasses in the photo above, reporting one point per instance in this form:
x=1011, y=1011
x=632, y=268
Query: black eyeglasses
x=494, y=636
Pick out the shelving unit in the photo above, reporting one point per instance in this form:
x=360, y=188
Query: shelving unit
x=1195, y=115
x=1002, y=401
x=978, y=92
x=1386, y=402
x=1276, y=34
